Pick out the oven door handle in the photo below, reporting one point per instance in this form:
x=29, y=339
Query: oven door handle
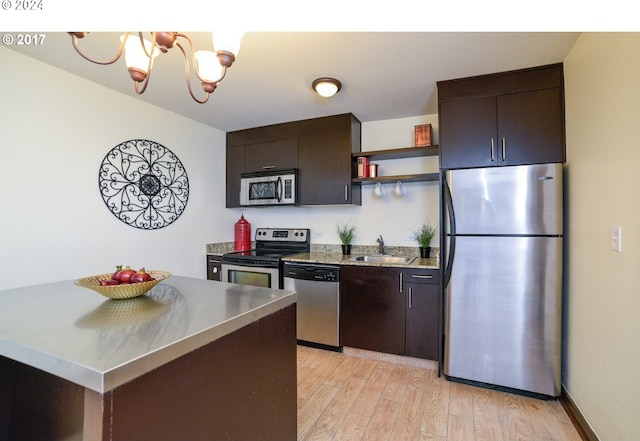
x=279, y=190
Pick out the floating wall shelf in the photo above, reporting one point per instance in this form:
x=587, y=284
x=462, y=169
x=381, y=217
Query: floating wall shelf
x=409, y=152
x=424, y=177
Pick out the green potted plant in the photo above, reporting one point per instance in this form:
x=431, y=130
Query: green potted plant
x=423, y=235
x=346, y=232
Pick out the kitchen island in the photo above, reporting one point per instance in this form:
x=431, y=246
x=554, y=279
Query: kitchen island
x=192, y=359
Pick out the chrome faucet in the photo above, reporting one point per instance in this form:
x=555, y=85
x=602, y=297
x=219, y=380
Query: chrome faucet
x=380, y=245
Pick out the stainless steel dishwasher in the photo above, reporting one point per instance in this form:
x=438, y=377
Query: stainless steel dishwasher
x=318, y=309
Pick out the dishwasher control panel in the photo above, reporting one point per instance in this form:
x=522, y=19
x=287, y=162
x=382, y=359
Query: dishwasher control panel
x=327, y=277
x=319, y=273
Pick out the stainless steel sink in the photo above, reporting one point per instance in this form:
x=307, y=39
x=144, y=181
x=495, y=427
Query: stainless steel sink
x=381, y=258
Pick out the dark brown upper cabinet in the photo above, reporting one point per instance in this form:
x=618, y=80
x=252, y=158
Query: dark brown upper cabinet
x=320, y=148
x=509, y=118
x=325, y=171
x=281, y=154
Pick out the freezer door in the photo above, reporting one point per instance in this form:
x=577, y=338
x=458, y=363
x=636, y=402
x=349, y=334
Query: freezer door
x=524, y=199
x=503, y=319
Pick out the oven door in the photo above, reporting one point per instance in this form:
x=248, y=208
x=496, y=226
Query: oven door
x=251, y=275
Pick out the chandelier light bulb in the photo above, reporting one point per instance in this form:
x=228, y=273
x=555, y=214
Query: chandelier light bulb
x=208, y=66
x=135, y=56
x=229, y=41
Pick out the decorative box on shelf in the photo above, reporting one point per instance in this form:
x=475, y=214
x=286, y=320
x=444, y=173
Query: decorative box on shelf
x=423, y=135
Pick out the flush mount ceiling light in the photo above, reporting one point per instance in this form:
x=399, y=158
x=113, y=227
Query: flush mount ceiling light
x=326, y=86
x=209, y=67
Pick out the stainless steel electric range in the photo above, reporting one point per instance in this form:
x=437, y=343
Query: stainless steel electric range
x=262, y=266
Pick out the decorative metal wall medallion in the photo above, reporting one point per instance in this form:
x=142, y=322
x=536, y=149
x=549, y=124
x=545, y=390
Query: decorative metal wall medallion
x=143, y=184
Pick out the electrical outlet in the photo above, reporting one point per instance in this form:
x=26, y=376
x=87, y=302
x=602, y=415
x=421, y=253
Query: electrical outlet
x=616, y=239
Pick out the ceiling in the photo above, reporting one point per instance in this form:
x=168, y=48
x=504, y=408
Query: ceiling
x=385, y=75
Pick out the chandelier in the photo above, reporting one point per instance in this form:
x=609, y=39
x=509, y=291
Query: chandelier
x=209, y=67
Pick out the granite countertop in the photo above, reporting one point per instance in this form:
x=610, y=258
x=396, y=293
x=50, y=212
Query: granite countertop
x=332, y=254
x=340, y=259
x=220, y=248
x=81, y=336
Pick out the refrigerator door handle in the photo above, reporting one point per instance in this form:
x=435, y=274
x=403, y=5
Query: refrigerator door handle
x=448, y=205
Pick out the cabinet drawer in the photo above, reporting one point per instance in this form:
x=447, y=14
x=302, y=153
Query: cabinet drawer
x=429, y=276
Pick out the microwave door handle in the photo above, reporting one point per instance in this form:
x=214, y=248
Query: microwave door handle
x=279, y=190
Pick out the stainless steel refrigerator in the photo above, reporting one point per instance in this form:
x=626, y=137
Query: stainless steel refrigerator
x=503, y=246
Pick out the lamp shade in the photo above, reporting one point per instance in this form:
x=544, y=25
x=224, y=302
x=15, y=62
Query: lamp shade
x=135, y=56
x=326, y=87
x=226, y=40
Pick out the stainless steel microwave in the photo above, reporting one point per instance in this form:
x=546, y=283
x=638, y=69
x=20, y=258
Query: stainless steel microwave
x=269, y=188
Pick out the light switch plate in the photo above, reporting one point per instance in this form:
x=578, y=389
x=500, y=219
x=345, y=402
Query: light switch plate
x=616, y=239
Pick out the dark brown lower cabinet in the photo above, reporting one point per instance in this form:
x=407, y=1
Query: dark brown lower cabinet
x=390, y=310
x=372, y=309
x=423, y=314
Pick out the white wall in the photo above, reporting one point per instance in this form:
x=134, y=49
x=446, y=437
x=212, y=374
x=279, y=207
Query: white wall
x=602, y=330
x=55, y=130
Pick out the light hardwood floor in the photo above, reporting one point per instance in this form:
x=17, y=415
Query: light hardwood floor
x=360, y=395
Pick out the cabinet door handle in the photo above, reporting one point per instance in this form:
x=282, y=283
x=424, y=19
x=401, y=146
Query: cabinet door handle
x=492, y=151
x=401, y=282
x=268, y=167
x=504, y=149
x=410, y=297
x=346, y=192
x=422, y=276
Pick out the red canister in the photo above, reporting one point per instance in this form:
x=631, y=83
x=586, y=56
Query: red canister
x=242, y=235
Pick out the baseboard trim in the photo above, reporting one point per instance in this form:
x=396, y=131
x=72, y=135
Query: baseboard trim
x=585, y=431
x=399, y=359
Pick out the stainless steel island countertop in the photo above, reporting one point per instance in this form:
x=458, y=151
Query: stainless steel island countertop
x=77, y=334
